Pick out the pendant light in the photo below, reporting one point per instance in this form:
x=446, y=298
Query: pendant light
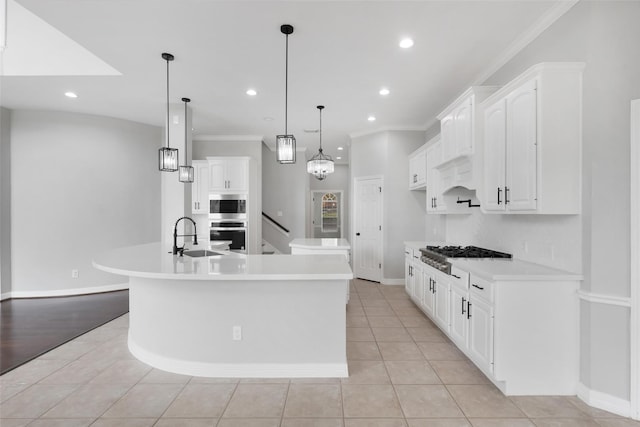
x=185, y=173
x=168, y=157
x=321, y=164
x=286, y=144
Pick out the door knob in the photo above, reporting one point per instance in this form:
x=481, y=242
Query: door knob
x=357, y=234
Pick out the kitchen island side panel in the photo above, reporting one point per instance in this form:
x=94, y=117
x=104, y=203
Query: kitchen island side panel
x=288, y=328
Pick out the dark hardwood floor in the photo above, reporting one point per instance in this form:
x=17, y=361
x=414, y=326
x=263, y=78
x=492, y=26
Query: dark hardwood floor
x=30, y=327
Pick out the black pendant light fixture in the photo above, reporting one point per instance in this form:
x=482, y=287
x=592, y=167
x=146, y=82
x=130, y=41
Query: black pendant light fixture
x=286, y=144
x=321, y=164
x=168, y=157
x=185, y=173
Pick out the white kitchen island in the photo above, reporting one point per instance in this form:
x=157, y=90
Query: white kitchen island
x=235, y=315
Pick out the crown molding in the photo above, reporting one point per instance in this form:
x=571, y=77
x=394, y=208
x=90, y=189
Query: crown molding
x=545, y=21
x=358, y=134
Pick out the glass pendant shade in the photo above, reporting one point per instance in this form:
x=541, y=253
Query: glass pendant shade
x=321, y=164
x=168, y=159
x=185, y=173
x=286, y=144
x=285, y=149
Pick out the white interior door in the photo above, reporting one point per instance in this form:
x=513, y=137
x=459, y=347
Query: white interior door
x=367, y=229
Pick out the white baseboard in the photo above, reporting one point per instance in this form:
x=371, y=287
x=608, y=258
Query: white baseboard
x=66, y=292
x=392, y=281
x=239, y=370
x=5, y=296
x=604, y=401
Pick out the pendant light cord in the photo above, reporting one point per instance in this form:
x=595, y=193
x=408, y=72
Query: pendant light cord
x=286, y=84
x=321, y=130
x=167, y=103
x=186, y=144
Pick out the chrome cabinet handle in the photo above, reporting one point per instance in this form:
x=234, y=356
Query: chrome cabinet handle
x=457, y=277
x=478, y=287
x=469, y=310
x=499, y=191
x=506, y=195
x=463, y=301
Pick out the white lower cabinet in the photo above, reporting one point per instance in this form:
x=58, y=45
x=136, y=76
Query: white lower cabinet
x=441, y=303
x=522, y=333
x=481, y=333
x=428, y=298
x=459, y=326
x=435, y=300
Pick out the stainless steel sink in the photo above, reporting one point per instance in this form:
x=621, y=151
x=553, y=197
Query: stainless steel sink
x=201, y=253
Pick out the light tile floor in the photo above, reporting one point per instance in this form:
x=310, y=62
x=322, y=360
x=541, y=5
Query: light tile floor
x=404, y=372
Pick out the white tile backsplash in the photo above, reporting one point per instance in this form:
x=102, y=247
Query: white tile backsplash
x=552, y=240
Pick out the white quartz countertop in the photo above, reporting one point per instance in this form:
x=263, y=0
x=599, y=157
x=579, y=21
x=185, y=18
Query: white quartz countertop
x=154, y=260
x=495, y=270
x=320, y=244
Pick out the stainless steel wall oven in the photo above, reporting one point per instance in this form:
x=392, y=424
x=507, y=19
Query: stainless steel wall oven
x=232, y=231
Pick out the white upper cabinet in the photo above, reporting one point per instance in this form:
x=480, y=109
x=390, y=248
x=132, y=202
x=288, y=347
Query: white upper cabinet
x=532, y=142
x=520, y=191
x=417, y=169
x=200, y=187
x=448, y=138
x=458, y=123
x=462, y=128
x=228, y=174
x=434, y=196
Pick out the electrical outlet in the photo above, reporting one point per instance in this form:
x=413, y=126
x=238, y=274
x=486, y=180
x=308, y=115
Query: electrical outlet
x=176, y=119
x=279, y=213
x=237, y=333
x=75, y=274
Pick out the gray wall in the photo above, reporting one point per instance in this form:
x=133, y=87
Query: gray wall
x=246, y=148
x=386, y=154
x=285, y=188
x=81, y=185
x=604, y=35
x=338, y=180
x=5, y=202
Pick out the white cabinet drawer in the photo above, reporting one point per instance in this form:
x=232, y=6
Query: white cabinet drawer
x=481, y=288
x=459, y=278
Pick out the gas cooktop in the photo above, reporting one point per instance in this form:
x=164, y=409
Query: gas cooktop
x=437, y=256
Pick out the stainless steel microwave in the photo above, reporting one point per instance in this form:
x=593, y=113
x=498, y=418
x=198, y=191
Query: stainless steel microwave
x=227, y=206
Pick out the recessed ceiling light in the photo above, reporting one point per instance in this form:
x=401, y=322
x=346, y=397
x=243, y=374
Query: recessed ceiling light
x=340, y=148
x=338, y=158
x=251, y=92
x=384, y=91
x=371, y=118
x=70, y=95
x=406, y=43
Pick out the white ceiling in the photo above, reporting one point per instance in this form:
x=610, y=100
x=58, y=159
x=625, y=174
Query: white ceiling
x=340, y=54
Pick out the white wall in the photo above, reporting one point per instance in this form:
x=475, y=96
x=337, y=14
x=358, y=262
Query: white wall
x=338, y=180
x=233, y=146
x=604, y=35
x=285, y=188
x=386, y=154
x=5, y=202
x=81, y=184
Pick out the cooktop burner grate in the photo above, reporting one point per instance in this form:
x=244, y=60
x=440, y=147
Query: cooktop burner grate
x=436, y=256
